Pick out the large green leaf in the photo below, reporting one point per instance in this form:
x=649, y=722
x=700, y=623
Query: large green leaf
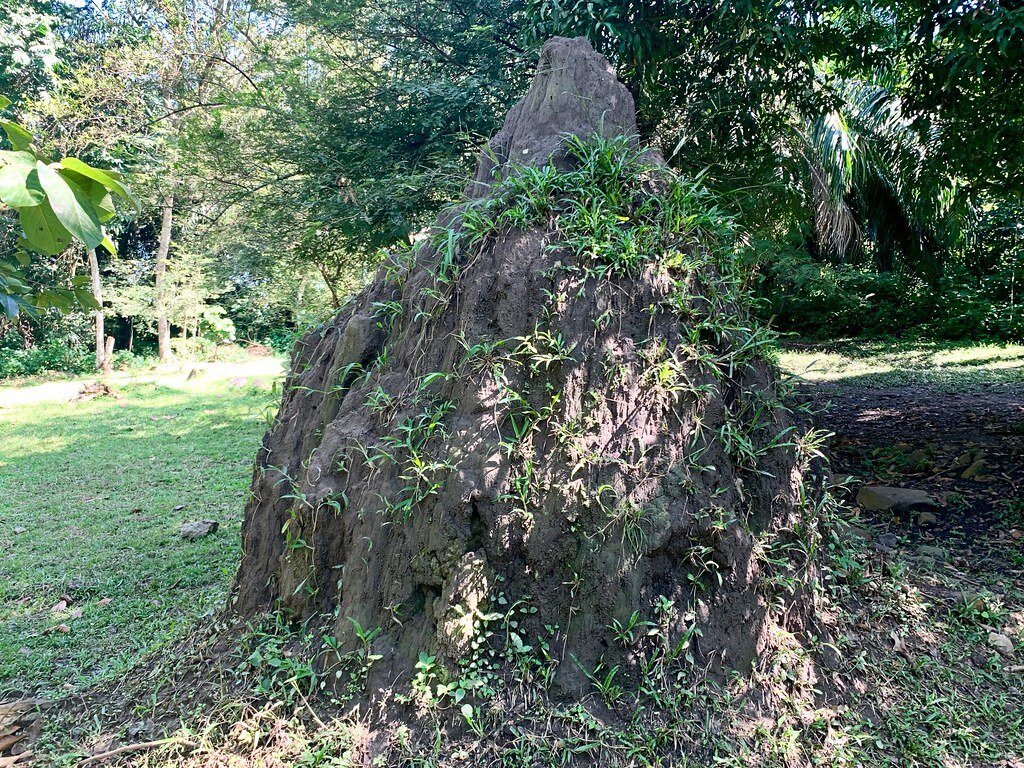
x=73, y=208
x=19, y=182
x=85, y=298
x=102, y=201
x=109, y=245
x=8, y=304
x=99, y=197
x=105, y=178
x=18, y=136
x=43, y=230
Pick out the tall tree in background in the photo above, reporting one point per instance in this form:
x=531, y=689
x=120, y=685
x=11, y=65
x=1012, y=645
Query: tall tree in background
x=149, y=73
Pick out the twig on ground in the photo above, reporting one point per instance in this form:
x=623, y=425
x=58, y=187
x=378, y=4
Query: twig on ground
x=132, y=748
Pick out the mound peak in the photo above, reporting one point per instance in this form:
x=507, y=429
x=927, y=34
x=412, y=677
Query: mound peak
x=574, y=93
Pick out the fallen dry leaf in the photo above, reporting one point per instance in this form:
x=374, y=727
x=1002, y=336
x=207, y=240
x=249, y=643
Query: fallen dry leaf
x=62, y=605
x=76, y=613
x=104, y=601
x=62, y=628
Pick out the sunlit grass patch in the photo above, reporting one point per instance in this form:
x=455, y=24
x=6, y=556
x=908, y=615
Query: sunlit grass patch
x=93, y=573
x=897, y=363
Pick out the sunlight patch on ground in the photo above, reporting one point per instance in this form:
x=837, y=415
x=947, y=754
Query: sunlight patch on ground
x=896, y=363
x=176, y=376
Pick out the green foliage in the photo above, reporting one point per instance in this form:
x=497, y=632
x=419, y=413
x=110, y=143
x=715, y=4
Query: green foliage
x=56, y=203
x=363, y=122
x=817, y=299
x=54, y=355
x=963, y=88
x=279, y=672
x=863, y=120
x=299, y=146
x=29, y=46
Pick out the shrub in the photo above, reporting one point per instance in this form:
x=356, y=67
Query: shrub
x=821, y=300
x=129, y=361
x=51, y=356
x=281, y=340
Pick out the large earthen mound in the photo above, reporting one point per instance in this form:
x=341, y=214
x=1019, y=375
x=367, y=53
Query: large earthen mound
x=543, y=444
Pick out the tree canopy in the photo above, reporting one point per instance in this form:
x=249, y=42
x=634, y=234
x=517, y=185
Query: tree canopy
x=284, y=143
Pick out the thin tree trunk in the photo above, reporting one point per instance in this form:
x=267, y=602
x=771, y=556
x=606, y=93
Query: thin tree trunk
x=108, y=356
x=131, y=335
x=103, y=362
x=335, y=300
x=163, y=326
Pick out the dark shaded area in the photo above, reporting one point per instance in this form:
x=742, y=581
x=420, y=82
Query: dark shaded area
x=965, y=448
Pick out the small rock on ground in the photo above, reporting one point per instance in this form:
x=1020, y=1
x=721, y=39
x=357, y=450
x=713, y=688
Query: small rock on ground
x=197, y=529
x=975, y=470
x=1001, y=643
x=937, y=553
x=881, y=498
x=887, y=541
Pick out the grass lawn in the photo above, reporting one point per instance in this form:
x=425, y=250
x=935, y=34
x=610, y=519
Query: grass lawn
x=892, y=364
x=91, y=497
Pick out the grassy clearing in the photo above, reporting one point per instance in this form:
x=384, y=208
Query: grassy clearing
x=91, y=498
x=891, y=364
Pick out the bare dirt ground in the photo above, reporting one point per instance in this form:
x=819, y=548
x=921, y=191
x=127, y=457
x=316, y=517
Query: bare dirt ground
x=965, y=448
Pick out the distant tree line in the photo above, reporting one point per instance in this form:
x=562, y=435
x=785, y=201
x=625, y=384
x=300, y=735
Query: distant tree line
x=871, y=152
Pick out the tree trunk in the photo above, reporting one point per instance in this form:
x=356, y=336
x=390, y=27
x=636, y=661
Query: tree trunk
x=103, y=362
x=163, y=326
x=335, y=299
x=108, y=356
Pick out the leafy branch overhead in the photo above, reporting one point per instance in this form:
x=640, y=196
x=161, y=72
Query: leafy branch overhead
x=57, y=203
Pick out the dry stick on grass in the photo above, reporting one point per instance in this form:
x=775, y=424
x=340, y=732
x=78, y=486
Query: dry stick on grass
x=133, y=748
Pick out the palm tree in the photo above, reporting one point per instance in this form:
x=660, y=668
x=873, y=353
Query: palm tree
x=874, y=187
